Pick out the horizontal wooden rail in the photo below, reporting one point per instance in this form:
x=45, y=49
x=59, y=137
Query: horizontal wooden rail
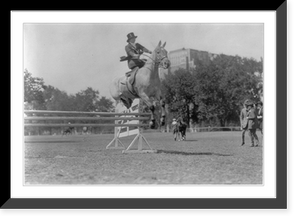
x=49, y=118
x=83, y=124
x=49, y=112
x=43, y=118
x=213, y=128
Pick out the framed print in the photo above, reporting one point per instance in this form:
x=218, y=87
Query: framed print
x=168, y=133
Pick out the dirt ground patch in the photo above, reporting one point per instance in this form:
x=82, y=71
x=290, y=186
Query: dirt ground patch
x=204, y=158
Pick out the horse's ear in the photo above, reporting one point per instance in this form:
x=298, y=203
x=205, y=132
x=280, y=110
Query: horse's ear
x=159, y=43
x=164, y=44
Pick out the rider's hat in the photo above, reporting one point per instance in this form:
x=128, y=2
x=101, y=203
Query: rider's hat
x=131, y=36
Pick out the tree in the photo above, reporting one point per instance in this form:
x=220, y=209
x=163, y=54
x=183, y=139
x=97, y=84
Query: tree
x=178, y=89
x=56, y=99
x=86, y=100
x=33, y=91
x=89, y=101
x=214, y=91
x=105, y=105
x=222, y=86
x=207, y=94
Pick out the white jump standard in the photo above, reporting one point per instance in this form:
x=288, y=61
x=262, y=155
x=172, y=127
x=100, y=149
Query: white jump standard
x=135, y=121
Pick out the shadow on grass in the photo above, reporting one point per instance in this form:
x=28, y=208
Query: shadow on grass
x=186, y=140
x=191, y=154
x=48, y=141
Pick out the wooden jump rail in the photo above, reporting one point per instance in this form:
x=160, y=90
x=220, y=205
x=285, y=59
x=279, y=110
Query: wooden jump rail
x=41, y=115
x=50, y=112
x=34, y=117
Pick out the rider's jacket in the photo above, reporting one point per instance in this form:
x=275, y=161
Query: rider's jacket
x=133, y=55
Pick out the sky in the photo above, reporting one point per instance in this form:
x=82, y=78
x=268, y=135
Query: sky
x=72, y=57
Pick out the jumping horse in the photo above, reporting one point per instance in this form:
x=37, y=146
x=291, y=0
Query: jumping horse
x=144, y=83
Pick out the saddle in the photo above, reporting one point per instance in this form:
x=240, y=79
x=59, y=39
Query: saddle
x=131, y=75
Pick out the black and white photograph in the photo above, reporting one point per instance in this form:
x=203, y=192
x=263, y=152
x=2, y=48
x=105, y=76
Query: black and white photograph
x=152, y=103
x=148, y=110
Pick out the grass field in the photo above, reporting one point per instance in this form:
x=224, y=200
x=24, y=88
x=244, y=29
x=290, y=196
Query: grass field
x=204, y=158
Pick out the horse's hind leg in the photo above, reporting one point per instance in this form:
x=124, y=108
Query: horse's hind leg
x=163, y=112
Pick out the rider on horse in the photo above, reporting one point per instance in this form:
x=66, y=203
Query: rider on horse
x=134, y=51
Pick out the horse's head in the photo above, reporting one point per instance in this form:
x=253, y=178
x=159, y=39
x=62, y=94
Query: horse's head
x=161, y=56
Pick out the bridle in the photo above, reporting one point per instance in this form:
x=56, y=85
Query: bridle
x=157, y=60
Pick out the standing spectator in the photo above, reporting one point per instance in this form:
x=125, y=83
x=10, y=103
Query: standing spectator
x=252, y=123
x=260, y=116
x=244, y=121
x=175, y=129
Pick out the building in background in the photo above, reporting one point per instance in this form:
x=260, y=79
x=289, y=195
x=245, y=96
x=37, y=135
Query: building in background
x=186, y=59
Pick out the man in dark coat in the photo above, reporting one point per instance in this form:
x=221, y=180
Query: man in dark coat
x=134, y=51
x=252, y=123
x=260, y=116
x=244, y=121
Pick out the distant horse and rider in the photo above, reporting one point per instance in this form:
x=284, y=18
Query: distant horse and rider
x=68, y=131
x=143, y=81
x=179, y=129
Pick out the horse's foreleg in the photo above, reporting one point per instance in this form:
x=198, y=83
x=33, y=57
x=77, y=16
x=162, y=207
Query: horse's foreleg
x=151, y=106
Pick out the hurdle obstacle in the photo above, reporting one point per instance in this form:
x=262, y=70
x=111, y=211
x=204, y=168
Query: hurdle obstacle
x=125, y=131
x=46, y=118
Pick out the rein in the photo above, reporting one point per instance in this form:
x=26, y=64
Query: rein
x=156, y=61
